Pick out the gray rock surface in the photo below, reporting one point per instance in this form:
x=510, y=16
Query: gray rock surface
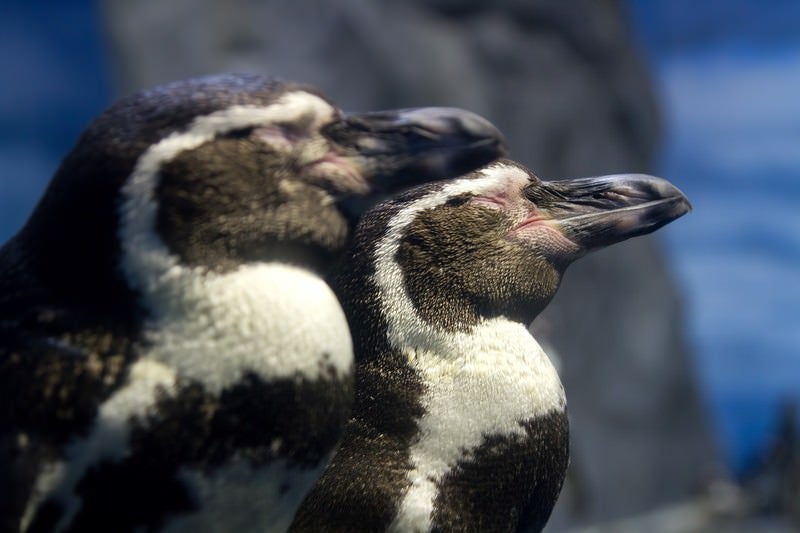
x=563, y=81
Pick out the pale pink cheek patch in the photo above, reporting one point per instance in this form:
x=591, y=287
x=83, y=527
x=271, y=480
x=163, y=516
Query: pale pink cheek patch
x=274, y=137
x=335, y=167
x=529, y=222
x=547, y=237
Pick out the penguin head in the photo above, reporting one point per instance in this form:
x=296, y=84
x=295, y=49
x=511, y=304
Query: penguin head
x=496, y=242
x=224, y=170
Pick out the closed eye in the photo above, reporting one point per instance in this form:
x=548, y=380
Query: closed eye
x=240, y=133
x=459, y=200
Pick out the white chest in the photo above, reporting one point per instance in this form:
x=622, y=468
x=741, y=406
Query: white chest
x=487, y=383
x=274, y=320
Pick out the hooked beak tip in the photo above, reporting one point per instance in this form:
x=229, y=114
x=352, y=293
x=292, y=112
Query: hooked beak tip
x=409, y=146
x=597, y=212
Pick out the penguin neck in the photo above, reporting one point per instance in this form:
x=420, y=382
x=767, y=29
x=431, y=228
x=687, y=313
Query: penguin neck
x=491, y=350
x=457, y=366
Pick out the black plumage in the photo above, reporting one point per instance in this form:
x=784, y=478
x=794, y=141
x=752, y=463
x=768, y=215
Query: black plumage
x=240, y=171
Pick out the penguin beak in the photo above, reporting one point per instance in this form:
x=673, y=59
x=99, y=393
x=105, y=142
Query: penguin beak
x=597, y=212
x=399, y=149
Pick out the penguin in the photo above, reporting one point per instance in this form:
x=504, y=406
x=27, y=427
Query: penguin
x=171, y=357
x=460, y=421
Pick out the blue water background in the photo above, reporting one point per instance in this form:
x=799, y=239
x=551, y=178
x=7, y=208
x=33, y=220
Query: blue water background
x=53, y=80
x=728, y=77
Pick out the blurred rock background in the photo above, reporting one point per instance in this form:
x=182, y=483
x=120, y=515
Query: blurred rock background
x=566, y=83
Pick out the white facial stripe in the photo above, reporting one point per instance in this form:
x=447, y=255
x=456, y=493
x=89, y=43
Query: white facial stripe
x=504, y=173
x=481, y=382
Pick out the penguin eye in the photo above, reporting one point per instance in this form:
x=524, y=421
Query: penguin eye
x=240, y=133
x=457, y=201
x=293, y=132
